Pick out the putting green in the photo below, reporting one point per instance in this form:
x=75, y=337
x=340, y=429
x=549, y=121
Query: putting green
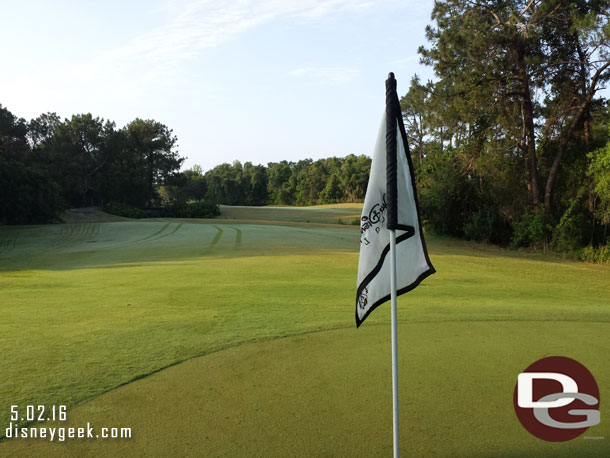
x=328, y=394
x=263, y=316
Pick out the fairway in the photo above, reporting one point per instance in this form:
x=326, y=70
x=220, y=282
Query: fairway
x=236, y=337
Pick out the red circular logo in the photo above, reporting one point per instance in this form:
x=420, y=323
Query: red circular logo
x=556, y=399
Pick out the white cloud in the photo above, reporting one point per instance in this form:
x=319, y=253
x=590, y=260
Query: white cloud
x=157, y=57
x=414, y=59
x=332, y=75
x=194, y=26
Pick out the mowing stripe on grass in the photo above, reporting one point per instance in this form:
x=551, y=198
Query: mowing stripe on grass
x=171, y=233
x=160, y=231
x=71, y=234
x=93, y=230
x=144, y=239
x=64, y=237
x=214, y=241
x=78, y=233
x=238, y=236
x=7, y=245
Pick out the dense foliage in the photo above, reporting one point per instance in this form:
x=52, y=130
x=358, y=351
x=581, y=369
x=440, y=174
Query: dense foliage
x=48, y=165
x=305, y=182
x=509, y=142
x=28, y=194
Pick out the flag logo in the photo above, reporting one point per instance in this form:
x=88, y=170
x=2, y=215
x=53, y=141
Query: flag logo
x=412, y=261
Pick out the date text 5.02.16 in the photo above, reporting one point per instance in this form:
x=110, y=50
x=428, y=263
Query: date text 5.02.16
x=38, y=413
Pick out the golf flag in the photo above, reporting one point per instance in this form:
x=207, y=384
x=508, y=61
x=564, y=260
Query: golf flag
x=412, y=261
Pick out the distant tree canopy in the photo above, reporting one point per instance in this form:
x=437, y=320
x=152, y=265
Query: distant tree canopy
x=508, y=143
x=28, y=194
x=305, y=182
x=48, y=165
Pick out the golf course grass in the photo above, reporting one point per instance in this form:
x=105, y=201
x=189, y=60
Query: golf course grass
x=236, y=337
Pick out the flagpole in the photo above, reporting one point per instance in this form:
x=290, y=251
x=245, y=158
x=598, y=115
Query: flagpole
x=374, y=246
x=394, y=342
x=392, y=208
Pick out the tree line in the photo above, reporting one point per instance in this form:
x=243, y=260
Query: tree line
x=48, y=164
x=510, y=143
x=305, y=182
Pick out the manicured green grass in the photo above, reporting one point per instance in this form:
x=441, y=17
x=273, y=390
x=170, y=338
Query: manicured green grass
x=87, y=307
x=329, y=214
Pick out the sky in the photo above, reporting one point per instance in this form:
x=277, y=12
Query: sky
x=245, y=80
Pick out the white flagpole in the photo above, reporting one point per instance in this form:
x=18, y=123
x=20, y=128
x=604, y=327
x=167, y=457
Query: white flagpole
x=391, y=108
x=394, y=342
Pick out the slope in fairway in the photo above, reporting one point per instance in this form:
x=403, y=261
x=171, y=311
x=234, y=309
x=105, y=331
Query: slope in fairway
x=88, y=307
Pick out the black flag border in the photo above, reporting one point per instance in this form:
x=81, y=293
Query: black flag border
x=410, y=232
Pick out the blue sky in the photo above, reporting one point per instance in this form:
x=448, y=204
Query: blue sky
x=256, y=81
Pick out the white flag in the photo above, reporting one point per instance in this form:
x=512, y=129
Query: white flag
x=412, y=262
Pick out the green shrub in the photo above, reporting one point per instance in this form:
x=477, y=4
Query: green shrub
x=122, y=209
x=486, y=225
x=573, y=231
x=600, y=254
x=599, y=171
x=200, y=209
x=531, y=230
x=446, y=198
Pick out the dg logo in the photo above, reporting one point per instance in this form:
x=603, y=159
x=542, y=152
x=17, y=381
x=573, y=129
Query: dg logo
x=557, y=399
